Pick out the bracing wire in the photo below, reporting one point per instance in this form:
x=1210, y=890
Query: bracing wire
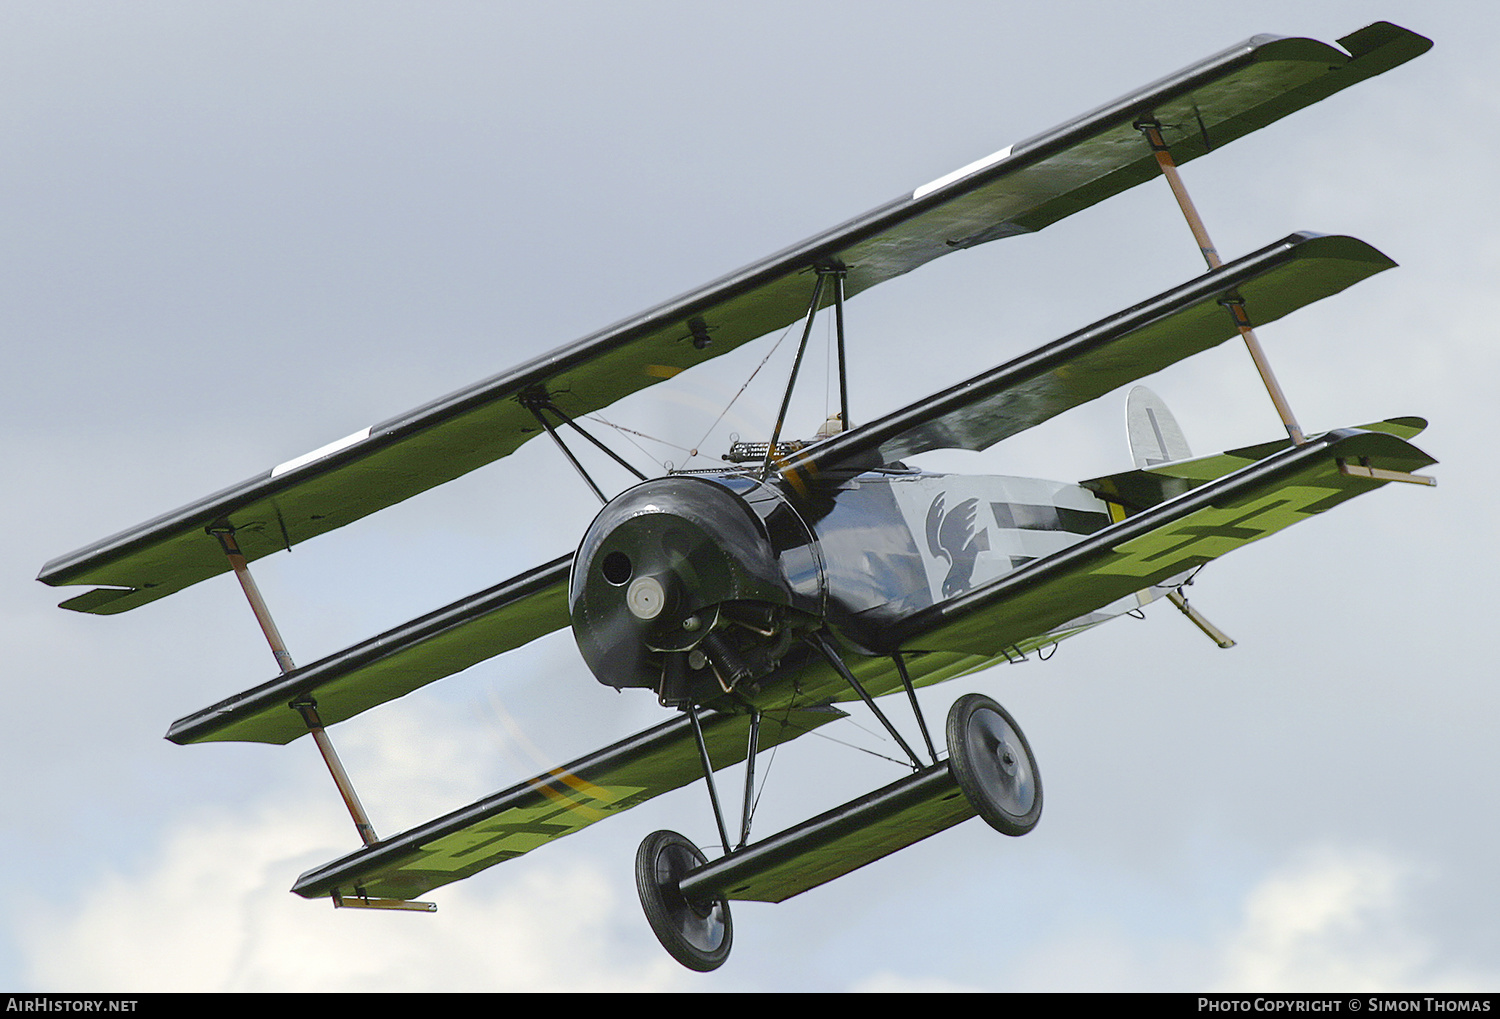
x=626, y=433
x=787, y=723
x=863, y=750
x=766, y=775
x=755, y=803
x=745, y=385
x=693, y=451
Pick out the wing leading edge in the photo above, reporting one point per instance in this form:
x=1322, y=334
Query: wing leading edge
x=1164, y=541
x=549, y=806
x=393, y=664
x=1020, y=189
x=1022, y=393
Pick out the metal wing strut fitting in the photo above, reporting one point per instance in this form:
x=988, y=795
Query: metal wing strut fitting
x=1019, y=189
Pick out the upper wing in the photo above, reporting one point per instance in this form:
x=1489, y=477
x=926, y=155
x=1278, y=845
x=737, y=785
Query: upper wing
x=1022, y=393
x=1019, y=189
x=549, y=806
x=1164, y=541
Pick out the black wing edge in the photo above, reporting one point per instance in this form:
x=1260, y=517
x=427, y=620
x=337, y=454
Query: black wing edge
x=1049, y=592
x=1145, y=487
x=1129, y=345
x=393, y=664
x=169, y=552
x=838, y=841
x=551, y=805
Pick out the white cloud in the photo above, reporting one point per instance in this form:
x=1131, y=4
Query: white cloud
x=1336, y=919
x=1327, y=919
x=212, y=913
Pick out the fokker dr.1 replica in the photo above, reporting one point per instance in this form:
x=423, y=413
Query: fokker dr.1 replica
x=752, y=597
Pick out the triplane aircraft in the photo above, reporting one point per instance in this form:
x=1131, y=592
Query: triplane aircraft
x=753, y=597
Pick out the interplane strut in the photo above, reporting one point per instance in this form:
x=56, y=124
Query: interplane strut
x=1152, y=130
x=305, y=706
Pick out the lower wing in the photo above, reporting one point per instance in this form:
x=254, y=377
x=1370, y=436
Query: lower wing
x=1176, y=535
x=550, y=805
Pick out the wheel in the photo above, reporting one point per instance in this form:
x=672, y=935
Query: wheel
x=992, y=762
x=698, y=935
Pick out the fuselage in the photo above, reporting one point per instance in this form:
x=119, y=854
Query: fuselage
x=706, y=586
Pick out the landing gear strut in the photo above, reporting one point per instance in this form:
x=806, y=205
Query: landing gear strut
x=989, y=772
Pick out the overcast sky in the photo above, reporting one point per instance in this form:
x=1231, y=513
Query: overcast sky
x=233, y=232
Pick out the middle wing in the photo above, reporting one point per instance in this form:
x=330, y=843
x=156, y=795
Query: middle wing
x=393, y=664
x=975, y=414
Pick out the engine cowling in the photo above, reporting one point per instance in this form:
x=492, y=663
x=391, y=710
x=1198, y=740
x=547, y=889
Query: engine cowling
x=679, y=587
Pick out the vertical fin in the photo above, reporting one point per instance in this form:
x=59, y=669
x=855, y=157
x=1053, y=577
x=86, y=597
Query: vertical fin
x=1153, y=432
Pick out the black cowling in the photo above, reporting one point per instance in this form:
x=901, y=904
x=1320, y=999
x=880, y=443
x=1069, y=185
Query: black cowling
x=655, y=569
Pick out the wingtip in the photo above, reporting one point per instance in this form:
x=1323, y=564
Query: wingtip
x=1380, y=34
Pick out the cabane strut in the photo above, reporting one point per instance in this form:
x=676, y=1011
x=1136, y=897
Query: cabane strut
x=837, y=272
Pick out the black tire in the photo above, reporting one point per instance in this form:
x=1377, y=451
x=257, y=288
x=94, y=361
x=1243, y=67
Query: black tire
x=992, y=763
x=698, y=935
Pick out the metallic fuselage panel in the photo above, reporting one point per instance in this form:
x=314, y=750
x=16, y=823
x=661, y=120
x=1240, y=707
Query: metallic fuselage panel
x=888, y=543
